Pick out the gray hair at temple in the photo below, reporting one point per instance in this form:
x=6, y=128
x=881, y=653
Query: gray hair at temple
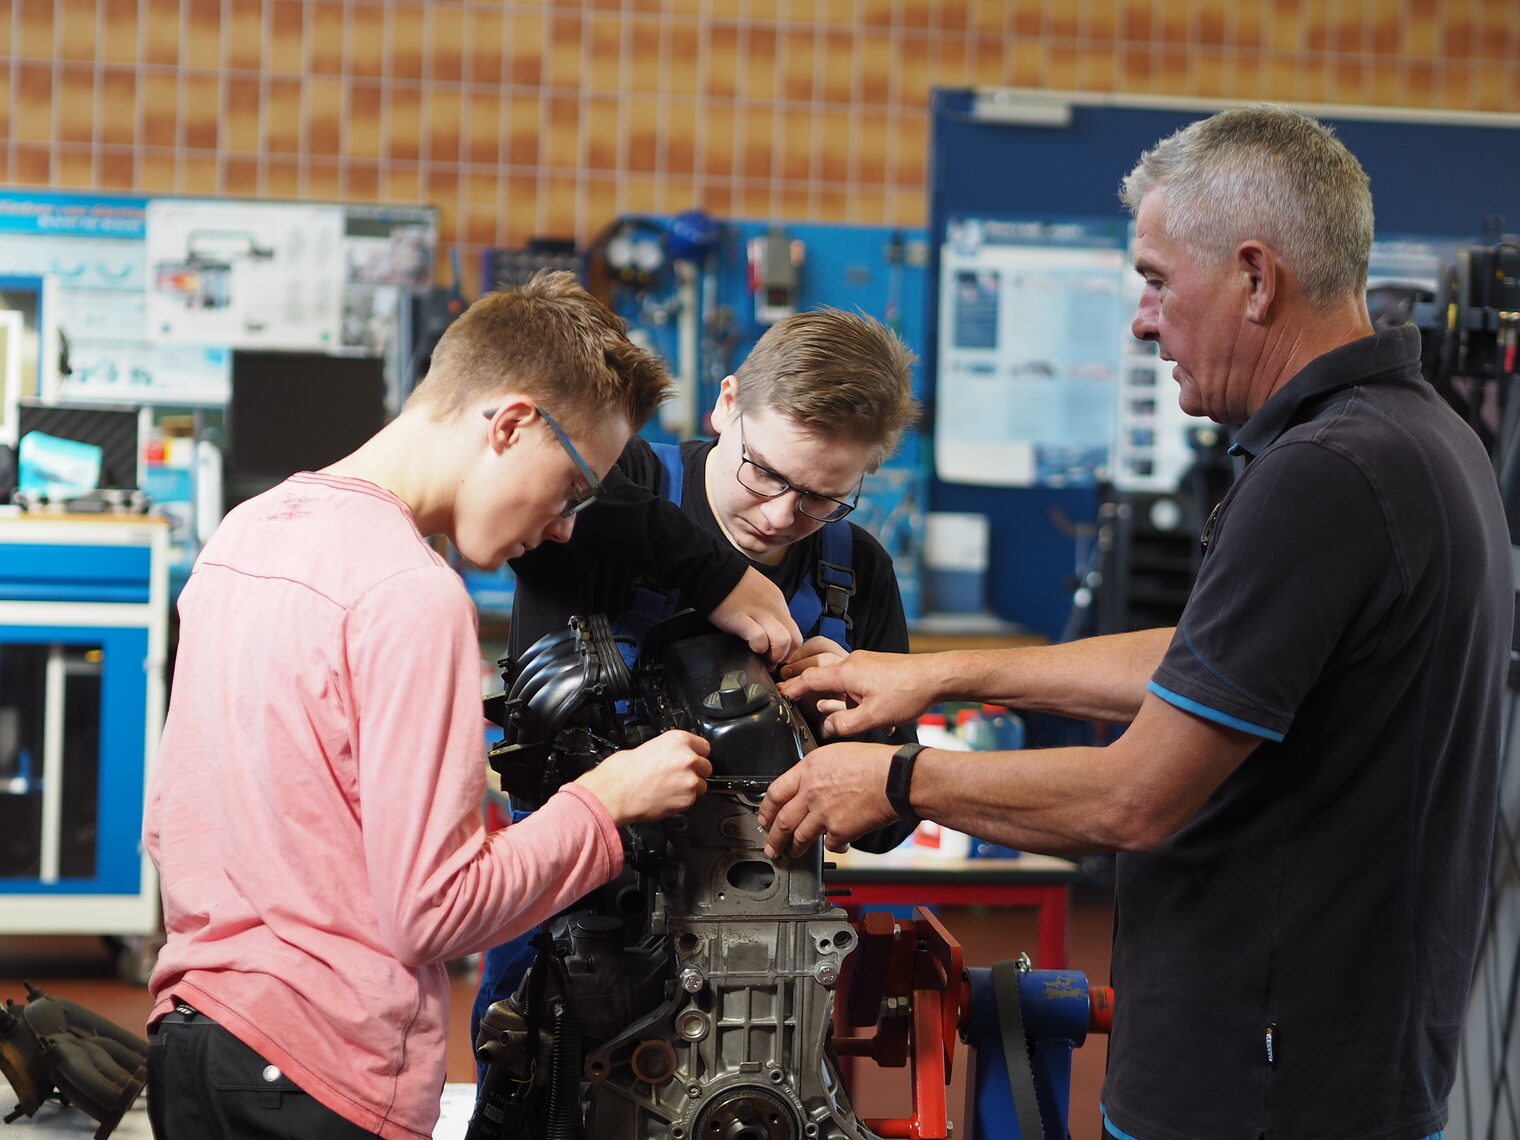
x=1270, y=173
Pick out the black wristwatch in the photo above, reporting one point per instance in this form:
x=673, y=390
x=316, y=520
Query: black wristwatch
x=900, y=779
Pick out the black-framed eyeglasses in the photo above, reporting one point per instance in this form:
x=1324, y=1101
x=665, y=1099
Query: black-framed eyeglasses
x=768, y=484
x=577, y=502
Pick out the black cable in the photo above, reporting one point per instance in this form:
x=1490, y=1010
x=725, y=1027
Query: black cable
x=564, y=1072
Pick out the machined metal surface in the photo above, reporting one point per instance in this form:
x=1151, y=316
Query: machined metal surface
x=700, y=985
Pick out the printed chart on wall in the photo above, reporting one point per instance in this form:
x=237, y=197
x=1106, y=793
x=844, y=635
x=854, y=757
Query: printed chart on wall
x=245, y=275
x=128, y=300
x=1028, y=351
x=91, y=342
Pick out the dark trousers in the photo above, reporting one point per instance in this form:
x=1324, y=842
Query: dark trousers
x=205, y=1084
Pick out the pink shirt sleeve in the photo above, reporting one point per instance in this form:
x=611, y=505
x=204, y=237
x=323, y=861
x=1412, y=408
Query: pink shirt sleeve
x=442, y=887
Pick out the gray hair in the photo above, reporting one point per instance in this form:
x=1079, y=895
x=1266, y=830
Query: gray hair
x=1269, y=173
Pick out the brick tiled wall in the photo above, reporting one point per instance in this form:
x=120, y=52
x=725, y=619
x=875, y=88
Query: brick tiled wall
x=552, y=117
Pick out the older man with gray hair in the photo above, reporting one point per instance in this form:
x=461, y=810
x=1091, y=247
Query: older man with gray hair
x=1304, y=798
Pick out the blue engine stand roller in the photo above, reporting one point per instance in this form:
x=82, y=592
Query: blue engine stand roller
x=1020, y=1086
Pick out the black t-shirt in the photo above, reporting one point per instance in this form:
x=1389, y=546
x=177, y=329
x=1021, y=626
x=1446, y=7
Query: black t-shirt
x=1295, y=961
x=633, y=535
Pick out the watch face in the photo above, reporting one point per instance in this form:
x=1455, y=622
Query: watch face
x=900, y=778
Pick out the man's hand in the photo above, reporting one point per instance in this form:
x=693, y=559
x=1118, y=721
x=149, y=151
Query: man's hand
x=756, y=611
x=838, y=792
x=877, y=690
x=658, y=778
x=814, y=653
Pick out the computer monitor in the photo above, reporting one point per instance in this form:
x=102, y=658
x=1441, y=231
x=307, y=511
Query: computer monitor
x=296, y=411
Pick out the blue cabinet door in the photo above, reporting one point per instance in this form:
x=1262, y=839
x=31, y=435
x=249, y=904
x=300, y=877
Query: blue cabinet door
x=90, y=684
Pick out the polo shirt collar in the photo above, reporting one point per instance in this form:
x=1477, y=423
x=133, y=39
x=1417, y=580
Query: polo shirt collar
x=1386, y=353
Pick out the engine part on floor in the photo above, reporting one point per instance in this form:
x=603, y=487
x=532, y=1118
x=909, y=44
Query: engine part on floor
x=53, y=1045
x=1021, y=1026
x=695, y=995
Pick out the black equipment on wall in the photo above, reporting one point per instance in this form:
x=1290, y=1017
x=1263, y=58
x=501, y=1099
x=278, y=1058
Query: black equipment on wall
x=1149, y=543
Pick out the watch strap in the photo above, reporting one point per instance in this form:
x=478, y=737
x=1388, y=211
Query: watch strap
x=900, y=779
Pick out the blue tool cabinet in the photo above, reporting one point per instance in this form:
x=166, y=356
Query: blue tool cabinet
x=84, y=606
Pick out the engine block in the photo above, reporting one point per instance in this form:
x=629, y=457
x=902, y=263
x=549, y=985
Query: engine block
x=740, y=1047
x=692, y=997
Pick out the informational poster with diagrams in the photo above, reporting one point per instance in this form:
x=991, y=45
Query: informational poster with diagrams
x=109, y=316
x=1028, y=362
x=89, y=255
x=245, y=274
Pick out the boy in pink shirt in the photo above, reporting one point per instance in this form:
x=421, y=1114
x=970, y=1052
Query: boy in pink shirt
x=315, y=808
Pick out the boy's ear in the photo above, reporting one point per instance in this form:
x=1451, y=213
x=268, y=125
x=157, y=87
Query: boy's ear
x=727, y=405
x=513, y=414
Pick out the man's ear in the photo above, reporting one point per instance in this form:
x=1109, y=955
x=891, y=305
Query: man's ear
x=1258, y=263
x=512, y=415
x=727, y=405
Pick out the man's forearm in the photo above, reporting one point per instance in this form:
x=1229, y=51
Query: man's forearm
x=1097, y=678
x=1128, y=796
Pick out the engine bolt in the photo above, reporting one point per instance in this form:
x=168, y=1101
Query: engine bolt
x=691, y=980
x=826, y=973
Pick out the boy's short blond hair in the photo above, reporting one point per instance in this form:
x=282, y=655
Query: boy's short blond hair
x=553, y=341
x=838, y=374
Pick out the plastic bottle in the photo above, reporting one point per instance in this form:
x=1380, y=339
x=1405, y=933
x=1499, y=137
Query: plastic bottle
x=929, y=838
x=208, y=488
x=1007, y=727
x=934, y=732
x=975, y=728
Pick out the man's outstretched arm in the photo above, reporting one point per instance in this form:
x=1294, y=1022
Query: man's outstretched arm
x=1098, y=678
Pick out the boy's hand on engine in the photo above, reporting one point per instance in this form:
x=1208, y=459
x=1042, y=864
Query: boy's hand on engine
x=659, y=778
x=756, y=611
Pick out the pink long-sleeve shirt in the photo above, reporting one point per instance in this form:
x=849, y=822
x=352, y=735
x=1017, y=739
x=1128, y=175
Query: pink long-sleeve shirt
x=315, y=806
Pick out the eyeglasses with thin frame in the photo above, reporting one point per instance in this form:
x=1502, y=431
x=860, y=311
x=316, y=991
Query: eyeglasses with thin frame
x=768, y=484
x=576, y=502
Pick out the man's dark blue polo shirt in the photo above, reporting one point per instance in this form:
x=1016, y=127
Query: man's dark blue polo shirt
x=1295, y=961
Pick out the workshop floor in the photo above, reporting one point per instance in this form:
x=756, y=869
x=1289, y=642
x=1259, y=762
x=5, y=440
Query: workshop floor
x=83, y=970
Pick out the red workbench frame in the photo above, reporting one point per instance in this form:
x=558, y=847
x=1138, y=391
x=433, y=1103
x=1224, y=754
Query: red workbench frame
x=1040, y=882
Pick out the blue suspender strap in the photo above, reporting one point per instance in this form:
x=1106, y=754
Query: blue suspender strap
x=674, y=474
x=836, y=579
x=823, y=600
